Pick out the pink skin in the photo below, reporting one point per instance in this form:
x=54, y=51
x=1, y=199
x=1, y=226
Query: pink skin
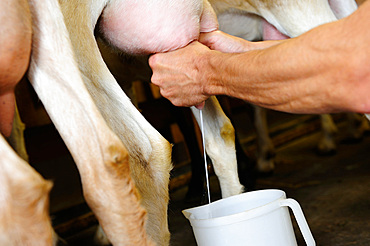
x=169, y=24
x=15, y=49
x=271, y=33
x=7, y=109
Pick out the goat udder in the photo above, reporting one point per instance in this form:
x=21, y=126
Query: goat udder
x=271, y=33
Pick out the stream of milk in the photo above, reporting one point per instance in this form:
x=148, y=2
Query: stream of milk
x=204, y=154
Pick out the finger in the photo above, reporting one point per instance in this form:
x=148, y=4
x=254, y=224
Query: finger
x=208, y=38
x=153, y=60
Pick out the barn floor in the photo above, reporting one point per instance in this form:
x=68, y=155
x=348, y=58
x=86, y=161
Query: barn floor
x=334, y=190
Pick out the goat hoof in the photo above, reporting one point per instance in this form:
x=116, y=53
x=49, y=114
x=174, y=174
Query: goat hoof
x=265, y=166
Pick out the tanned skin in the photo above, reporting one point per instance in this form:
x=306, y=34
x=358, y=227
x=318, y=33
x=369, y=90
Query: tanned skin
x=325, y=70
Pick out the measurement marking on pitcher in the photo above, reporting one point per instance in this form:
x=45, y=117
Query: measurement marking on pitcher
x=204, y=154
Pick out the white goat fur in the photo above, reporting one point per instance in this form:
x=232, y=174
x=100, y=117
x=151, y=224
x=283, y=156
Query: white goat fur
x=108, y=138
x=90, y=110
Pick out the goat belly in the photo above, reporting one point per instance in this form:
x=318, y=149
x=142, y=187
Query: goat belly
x=151, y=26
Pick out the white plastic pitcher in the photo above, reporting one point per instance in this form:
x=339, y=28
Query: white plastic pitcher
x=257, y=218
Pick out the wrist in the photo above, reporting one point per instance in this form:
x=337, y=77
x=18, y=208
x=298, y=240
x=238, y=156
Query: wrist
x=211, y=73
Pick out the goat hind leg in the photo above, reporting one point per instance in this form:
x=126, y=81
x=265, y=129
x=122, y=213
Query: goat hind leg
x=101, y=158
x=358, y=125
x=265, y=150
x=24, y=213
x=327, y=143
x=220, y=146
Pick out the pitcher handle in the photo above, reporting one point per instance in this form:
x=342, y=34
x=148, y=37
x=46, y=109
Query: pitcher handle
x=301, y=221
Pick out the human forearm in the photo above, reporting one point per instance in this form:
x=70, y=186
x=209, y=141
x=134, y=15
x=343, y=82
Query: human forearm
x=181, y=74
x=268, y=79
x=321, y=71
x=324, y=70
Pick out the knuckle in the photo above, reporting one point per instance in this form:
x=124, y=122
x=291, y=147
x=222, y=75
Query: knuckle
x=153, y=60
x=155, y=80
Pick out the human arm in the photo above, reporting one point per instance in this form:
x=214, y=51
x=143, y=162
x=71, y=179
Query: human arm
x=171, y=70
x=324, y=70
